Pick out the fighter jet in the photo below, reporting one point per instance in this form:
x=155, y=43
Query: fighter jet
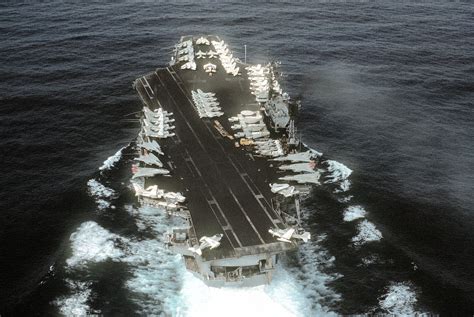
x=212, y=54
x=282, y=235
x=200, y=54
x=171, y=198
x=286, y=235
x=257, y=134
x=254, y=126
x=235, y=72
x=160, y=134
x=210, y=68
x=186, y=43
x=284, y=189
x=151, y=191
x=202, y=40
x=149, y=159
x=305, y=178
x=217, y=44
x=158, y=113
x=299, y=167
x=149, y=172
x=207, y=242
x=183, y=58
x=189, y=65
x=174, y=197
x=152, y=146
x=307, y=156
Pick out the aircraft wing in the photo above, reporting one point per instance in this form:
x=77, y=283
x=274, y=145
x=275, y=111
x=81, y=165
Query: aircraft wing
x=288, y=234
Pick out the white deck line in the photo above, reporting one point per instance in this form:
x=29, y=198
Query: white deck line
x=199, y=172
x=233, y=164
x=246, y=216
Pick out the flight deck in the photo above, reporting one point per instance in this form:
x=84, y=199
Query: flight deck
x=226, y=181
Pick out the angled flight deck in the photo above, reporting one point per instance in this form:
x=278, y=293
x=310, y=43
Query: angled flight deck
x=212, y=128
x=228, y=189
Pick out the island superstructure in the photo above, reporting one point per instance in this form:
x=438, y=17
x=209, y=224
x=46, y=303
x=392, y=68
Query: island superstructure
x=218, y=148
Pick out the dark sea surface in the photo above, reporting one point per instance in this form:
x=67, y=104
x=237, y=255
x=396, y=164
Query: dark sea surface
x=387, y=90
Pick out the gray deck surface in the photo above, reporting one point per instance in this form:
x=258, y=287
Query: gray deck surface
x=227, y=189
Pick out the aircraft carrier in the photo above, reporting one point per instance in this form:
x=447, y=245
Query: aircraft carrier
x=218, y=148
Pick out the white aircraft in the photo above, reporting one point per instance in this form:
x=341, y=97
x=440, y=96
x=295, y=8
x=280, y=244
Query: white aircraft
x=149, y=172
x=189, y=65
x=161, y=134
x=161, y=127
x=210, y=68
x=202, y=40
x=218, y=44
x=152, y=146
x=158, y=113
x=305, y=236
x=174, y=197
x=206, y=104
x=186, y=51
x=257, y=134
x=255, y=127
x=214, y=114
x=252, y=119
x=267, y=143
x=151, y=191
x=305, y=178
x=200, y=54
x=286, y=235
x=183, y=58
x=160, y=120
x=149, y=159
x=282, y=235
x=199, y=91
x=277, y=187
x=186, y=43
x=235, y=72
x=212, y=54
x=272, y=153
x=207, y=242
x=307, y=156
x=154, y=192
x=284, y=189
x=298, y=167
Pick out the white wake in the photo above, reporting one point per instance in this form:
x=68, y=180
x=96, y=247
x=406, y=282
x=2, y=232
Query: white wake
x=367, y=232
x=399, y=300
x=352, y=213
x=100, y=193
x=160, y=285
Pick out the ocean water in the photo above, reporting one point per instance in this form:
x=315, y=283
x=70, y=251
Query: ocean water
x=387, y=94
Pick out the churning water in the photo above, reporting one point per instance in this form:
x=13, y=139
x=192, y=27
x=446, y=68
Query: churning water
x=387, y=94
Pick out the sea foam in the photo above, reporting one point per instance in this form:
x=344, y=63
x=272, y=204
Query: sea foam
x=399, y=300
x=161, y=285
x=75, y=304
x=352, y=213
x=92, y=243
x=100, y=193
x=338, y=173
x=367, y=233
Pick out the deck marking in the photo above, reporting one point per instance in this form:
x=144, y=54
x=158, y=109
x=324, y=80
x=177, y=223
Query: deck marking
x=230, y=159
x=246, y=215
x=213, y=201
